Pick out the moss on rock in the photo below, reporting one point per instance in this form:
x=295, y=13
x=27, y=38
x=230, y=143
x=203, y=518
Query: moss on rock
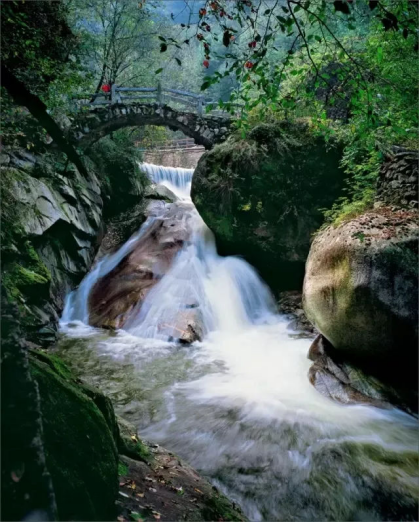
x=81, y=453
x=262, y=196
x=130, y=444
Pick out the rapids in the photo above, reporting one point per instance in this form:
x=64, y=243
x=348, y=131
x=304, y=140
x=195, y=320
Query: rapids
x=238, y=406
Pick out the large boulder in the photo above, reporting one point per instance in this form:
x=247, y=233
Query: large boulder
x=262, y=195
x=361, y=291
x=80, y=438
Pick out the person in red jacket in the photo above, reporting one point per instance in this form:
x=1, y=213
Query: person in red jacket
x=106, y=89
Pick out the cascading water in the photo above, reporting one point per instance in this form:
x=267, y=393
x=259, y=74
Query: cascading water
x=238, y=405
x=227, y=291
x=178, y=180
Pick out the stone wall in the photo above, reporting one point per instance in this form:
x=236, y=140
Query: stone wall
x=398, y=180
x=185, y=158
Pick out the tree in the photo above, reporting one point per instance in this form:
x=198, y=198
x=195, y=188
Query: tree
x=252, y=31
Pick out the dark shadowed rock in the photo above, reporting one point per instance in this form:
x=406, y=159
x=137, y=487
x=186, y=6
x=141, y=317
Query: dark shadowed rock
x=261, y=196
x=344, y=382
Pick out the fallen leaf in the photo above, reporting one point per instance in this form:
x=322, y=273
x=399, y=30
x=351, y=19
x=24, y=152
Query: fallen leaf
x=141, y=495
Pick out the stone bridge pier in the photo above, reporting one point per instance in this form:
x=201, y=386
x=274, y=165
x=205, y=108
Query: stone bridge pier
x=90, y=126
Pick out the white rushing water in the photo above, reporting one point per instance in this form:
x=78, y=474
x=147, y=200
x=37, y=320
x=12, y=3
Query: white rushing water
x=238, y=406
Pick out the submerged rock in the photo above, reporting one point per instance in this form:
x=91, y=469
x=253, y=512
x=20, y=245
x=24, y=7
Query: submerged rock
x=360, y=292
x=261, y=196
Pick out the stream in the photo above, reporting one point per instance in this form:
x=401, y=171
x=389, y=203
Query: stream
x=238, y=405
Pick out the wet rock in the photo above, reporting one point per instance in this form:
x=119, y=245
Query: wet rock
x=187, y=326
x=160, y=192
x=344, y=382
x=115, y=296
x=360, y=292
x=290, y=303
x=166, y=488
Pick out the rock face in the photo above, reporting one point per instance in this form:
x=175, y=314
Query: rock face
x=51, y=218
x=52, y=223
x=261, y=197
x=341, y=381
x=361, y=288
x=26, y=485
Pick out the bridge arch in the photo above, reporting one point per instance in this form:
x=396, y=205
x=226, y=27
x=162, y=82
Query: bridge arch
x=91, y=125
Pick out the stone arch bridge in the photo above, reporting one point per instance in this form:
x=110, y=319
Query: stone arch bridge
x=96, y=122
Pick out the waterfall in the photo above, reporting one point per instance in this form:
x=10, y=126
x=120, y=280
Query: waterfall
x=178, y=180
x=224, y=293
x=238, y=405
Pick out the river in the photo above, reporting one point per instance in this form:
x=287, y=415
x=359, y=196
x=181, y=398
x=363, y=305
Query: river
x=238, y=405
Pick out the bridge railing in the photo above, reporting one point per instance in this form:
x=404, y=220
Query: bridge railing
x=190, y=101
x=181, y=143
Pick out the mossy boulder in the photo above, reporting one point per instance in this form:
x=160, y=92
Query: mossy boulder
x=361, y=288
x=79, y=434
x=262, y=196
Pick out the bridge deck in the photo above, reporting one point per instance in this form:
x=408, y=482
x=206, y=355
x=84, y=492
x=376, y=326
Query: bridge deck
x=189, y=100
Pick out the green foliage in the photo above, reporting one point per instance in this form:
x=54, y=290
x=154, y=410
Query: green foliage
x=35, y=41
x=117, y=158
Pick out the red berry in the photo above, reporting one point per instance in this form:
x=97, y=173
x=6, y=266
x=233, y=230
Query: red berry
x=205, y=63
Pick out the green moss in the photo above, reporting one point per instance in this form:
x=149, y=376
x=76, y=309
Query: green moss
x=122, y=469
x=81, y=453
x=219, y=507
x=55, y=363
x=261, y=195
x=402, y=258
x=129, y=443
x=26, y=277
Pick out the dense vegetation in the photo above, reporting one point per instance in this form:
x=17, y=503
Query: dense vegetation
x=349, y=68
